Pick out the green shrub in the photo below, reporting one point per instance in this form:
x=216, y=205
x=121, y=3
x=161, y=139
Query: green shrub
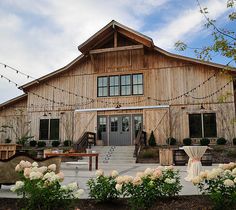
x=171, y=141
x=67, y=143
x=152, y=140
x=221, y=141
x=187, y=141
x=41, y=143
x=7, y=141
x=33, y=143
x=205, y=142
x=234, y=141
x=32, y=153
x=55, y=143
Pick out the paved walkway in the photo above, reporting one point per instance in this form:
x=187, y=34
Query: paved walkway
x=81, y=176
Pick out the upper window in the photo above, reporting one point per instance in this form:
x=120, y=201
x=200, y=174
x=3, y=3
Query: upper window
x=202, y=125
x=49, y=129
x=122, y=85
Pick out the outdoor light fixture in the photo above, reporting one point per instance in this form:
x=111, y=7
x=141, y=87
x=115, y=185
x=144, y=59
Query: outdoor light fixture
x=45, y=115
x=202, y=107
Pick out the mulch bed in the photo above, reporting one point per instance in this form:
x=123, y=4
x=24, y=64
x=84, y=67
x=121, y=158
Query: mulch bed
x=193, y=202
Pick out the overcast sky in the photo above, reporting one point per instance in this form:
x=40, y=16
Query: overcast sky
x=38, y=37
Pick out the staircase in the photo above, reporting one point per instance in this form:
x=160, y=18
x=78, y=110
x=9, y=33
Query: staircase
x=115, y=154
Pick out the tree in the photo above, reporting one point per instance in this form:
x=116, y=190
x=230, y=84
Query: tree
x=152, y=140
x=223, y=39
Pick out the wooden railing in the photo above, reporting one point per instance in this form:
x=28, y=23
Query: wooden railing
x=139, y=141
x=85, y=141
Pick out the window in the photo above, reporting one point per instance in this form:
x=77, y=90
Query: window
x=125, y=85
x=49, y=129
x=102, y=86
x=120, y=85
x=114, y=85
x=202, y=125
x=125, y=124
x=114, y=124
x=102, y=124
x=137, y=84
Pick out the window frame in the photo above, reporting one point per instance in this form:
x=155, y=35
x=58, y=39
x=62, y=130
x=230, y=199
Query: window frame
x=137, y=84
x=203, y=125
x=107, y=86
x=125, y=75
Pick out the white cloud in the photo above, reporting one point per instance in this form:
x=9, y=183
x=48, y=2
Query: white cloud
x=187, y=25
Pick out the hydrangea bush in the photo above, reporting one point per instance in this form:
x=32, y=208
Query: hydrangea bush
x=219, y=184
x=41, y=188
x=146, y=187
x=102, y=188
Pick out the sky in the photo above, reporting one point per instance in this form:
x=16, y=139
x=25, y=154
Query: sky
x=39, y=37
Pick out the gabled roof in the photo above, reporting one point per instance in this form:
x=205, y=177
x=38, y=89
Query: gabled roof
x=13, y=101
x=106, y=32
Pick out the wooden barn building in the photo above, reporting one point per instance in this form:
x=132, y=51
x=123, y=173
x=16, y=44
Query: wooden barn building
x=120, y=81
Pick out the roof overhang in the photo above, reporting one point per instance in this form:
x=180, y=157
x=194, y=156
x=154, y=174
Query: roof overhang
x=122, y=108
x=13, y=101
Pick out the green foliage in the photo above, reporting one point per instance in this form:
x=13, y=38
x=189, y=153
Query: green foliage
x=67, y=143
x=103, y=188
x=148, y=154
x=234, y=141
x=41, y=143
x=55, y=143
x=33, y=143
x=171, y=141
x=152, y=140
x=221, y=141
x=32, y=153
x=219, y=184
x=187, y=141
x=205, y=142
x=144, y=189
x=24, y=139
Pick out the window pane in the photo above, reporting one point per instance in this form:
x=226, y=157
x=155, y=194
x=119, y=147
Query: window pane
x=137, y=124
x=195, y=126
x=114, y=80
x=102, y=86
x=102, y=91
x=114, y=124
x=125, y=80
x=54, y=129
x=114, y=86
x=138, y=89
x=137, y=79
x=209, y=124
x=43, y=129
x=125, y=90
x=125, y=124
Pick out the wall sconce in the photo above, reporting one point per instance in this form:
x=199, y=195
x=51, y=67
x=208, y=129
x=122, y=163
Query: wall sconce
x=202, y=107
x=44, y=115
x=118, y=106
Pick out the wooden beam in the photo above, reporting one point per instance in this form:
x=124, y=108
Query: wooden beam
x=93, y=63
x=115, y=38
x=107, y=50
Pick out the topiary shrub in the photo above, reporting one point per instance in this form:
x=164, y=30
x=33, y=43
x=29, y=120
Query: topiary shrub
x=7, y=141
x=55, y=143
x=221, y=141
x=33, y=143
x=152, y=140
x=67, y=143
x=205, y=142
x=41, y=143
x=187, y=141
x=171, y=141
x=234, y=141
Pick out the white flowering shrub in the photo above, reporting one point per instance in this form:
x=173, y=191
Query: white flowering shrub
x=41, y=188
x=102, y=188
x=146, y=187
x=219, y=184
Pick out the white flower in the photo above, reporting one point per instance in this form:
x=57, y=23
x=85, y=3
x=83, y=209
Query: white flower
x=42, y=169
x=148, y=171
x=227, y=172
x=140, y=174
x=127, y=179
x=51, y=176
x=170, y=168
x=78, y=193
x=235, y=180
x=196, y=180
x=35, y=175
x=99, y=172
x=35, y=164
x=212, y=175
x=18, y=185
x=234, y=171
x=60, y=176
x=156, y=174
x=170, y=181
x=18, y=168
x=72, y=186
x=203, y=174
x=228, y=183
x=161, y=168
x=114, y=173
x=27, y=172
x=52, y=167
x=118, y=187
x=137, y=181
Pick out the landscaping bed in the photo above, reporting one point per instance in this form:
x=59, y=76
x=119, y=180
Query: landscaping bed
x=179, y=202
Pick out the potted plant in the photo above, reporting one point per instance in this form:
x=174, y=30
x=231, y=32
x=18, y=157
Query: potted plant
x=7, y=140
x=152, y=140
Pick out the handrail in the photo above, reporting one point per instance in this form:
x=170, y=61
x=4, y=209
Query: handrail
x=85, y=141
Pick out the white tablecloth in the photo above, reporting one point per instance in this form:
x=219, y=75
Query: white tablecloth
x=194, y=163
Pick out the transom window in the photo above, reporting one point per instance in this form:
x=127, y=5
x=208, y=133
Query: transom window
x=202, y=125
x=120, y=85
x=49, y=129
